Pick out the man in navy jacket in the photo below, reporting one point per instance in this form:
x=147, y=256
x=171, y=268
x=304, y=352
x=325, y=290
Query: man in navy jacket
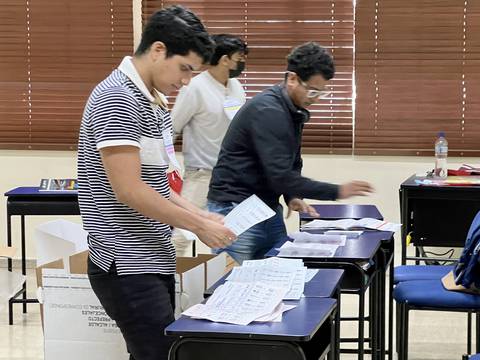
x=261, y=153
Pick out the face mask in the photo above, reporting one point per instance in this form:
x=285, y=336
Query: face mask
x=236, y=72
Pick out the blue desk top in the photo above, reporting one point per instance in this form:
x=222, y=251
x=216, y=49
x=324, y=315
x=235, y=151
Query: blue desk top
x=322, y=285
x=33, y=192
x=343, y=211
x=362, y=248
x=298, y=324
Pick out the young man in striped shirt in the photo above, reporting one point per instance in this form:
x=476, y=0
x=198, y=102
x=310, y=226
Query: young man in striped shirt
x=125, y=148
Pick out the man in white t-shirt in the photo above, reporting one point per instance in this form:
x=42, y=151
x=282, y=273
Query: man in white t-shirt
x=203, y=111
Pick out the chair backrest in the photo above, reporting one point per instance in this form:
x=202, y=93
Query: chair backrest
x=467, y=270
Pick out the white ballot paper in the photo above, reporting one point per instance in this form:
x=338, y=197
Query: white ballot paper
x=239, y=303
x=276, y=315
x=292, y=279
x=249, y=212
x=367, y=223
x=307, y=238
x=302, y=250
x=274, y=262
x=298, y=284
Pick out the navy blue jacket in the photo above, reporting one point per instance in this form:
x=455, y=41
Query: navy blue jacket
x=261, y=154
x=467, y=270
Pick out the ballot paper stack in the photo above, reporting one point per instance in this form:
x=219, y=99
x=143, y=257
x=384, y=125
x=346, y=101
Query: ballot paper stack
x=345, y=224
x=311, y=245
x=254, y=292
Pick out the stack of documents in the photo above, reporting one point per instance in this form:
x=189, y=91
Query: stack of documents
x=254, y=292
x=312, y=245
x=365, y=223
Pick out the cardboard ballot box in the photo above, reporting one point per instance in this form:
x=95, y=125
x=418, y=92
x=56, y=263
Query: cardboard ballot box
x=75, y=324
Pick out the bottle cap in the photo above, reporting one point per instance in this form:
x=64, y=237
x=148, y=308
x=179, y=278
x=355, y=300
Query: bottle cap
x=441, y=134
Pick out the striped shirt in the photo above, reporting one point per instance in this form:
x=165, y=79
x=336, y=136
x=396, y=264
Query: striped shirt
x=120, y=111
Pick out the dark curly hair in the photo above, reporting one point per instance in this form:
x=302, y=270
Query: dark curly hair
x=180, y=30
x=311, y=59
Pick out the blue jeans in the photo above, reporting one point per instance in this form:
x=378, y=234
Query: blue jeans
x=256, y=241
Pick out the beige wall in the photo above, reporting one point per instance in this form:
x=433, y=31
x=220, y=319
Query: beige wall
x=26, y=168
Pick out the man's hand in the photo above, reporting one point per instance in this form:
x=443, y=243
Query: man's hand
x=299, y=205
x=218, y=218
x=354, y=188
x=215, y=235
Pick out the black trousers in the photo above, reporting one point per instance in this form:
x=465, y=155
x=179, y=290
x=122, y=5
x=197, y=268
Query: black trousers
x=141, y=305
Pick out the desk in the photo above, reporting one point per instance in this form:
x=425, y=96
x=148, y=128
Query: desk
x=436, y=215
x=367, y=249
x=306, y=332
x=342, y=211
x=325, y=284
x=385, y=258
x=23, y=201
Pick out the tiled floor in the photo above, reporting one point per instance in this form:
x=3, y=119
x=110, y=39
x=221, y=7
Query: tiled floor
x=433, y=335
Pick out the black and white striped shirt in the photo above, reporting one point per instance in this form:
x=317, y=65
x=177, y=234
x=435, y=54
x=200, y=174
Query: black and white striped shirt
x=120, y=111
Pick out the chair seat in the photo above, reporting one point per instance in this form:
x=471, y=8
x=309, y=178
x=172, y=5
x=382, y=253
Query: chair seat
x=475, y=357
x=431, y=293
x=420, y=272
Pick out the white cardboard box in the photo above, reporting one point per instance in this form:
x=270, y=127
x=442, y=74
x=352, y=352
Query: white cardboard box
x=75, y=325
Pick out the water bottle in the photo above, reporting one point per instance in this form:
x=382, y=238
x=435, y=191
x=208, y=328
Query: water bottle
x=441, y=153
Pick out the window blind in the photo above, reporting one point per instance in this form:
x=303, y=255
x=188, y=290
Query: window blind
x=271, y=28
x=52, y=54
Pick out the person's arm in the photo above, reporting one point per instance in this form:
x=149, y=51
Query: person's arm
x=123, y=168
x=186, y=105
x=297, y=167
x=274, y=145
x=184, y=203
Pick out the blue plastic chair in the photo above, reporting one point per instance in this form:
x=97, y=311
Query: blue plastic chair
x=420, y=272
x=430, y=295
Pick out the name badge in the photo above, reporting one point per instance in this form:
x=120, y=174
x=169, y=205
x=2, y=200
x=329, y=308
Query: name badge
x=231, y=107
x=169, y=148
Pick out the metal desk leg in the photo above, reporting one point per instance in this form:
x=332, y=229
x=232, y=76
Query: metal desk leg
x=381, y=316
x=390, y=309
x=9, y=238
x=361, y=323
x=24, y=267
x=336, y=347
x=373, y=317
x=9, y=263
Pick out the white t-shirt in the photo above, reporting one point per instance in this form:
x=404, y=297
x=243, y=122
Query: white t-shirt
x=200, y=113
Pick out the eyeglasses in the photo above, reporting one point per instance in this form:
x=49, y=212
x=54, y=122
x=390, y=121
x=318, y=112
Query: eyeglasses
x=314, y=93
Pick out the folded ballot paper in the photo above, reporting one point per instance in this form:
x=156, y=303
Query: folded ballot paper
x=345, y=224
x=254, y=292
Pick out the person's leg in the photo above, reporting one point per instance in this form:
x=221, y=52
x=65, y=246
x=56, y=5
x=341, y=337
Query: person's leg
x=195, y=190
x=275, y=231
x=247, y=244
x=141, y=305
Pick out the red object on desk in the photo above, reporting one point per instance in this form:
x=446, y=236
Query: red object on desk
x=175, y=181
x=464, y=170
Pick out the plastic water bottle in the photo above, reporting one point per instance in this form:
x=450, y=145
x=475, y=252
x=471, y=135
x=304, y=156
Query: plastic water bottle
x=441, y=153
